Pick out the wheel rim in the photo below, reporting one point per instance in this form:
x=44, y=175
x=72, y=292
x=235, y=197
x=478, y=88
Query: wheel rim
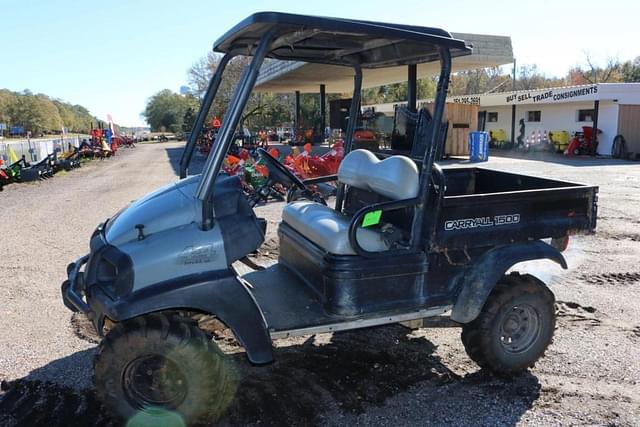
x=520, y=328
x=154, y=380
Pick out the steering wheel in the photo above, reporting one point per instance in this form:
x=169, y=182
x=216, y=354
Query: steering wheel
x=278, y=172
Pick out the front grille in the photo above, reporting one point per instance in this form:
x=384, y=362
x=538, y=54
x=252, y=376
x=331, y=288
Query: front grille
x=111, y=270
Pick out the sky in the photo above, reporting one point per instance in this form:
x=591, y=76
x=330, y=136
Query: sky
x=112, y=55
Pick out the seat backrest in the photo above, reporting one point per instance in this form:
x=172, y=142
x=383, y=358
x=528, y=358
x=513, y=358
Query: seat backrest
x=404, y=126
x=395, y=177
x=422, y=135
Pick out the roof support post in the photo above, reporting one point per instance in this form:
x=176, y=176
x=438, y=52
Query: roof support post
x=513, y=108
x=323, y=109
x=354, y=111
x=417, y=226
x=204, y=192
x=297, y=111
x=209, y=96
x=412, y=87
x=596, y=112
x=513, y=125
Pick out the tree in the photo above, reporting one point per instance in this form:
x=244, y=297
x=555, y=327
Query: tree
x=529, y=78
x=591, y=73
x=267, y=109
x=397, y=92
x=7, y=99
x=630, y=70
x=66, y=114
x=188, y=119
x=201, y=72
x=42, y=114
x=83, y=119
x=51, y=114
x=36, y=113
x=261, y=109
x=482, y=80
x=75, y=118
x=166, y=110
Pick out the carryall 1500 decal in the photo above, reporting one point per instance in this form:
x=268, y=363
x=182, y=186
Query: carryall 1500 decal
x=486, y=221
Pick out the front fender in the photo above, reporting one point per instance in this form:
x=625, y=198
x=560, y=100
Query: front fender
x=481, y=277
x=218, y=293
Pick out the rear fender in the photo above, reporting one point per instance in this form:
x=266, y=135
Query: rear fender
x=220, y=293
x=479, y=280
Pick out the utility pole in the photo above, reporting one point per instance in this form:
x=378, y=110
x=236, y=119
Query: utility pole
x=31, y=150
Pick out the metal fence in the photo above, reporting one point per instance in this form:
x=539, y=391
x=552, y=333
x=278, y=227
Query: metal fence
x=37, y=149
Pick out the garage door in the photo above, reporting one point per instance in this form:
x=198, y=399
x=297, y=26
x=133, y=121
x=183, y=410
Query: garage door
x=629, y=126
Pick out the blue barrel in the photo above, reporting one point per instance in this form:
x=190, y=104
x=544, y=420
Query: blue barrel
x=478, y=146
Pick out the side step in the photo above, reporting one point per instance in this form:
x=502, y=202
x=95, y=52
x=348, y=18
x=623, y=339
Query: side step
x=443, y=321
x=360, y=323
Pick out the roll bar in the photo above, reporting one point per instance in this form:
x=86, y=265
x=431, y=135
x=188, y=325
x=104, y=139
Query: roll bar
x=209, y=96
x=354, y=111
x=429, y=156
x=229, y=124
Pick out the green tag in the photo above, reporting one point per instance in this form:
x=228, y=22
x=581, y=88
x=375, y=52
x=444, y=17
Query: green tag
x=371, y=218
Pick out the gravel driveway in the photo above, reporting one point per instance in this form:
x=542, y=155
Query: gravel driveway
x=381, y=376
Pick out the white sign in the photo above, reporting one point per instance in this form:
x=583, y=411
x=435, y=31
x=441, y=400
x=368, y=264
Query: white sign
x=551, y=95
x=466, y=99
x=538, y=96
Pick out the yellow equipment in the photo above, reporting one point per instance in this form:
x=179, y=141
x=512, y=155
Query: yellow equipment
x=560, y=139
x=498, y=135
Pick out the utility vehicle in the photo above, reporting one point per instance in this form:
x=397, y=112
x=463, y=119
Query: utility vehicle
x=405, y=240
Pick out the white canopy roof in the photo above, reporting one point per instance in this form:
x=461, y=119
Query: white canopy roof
x=290, y=76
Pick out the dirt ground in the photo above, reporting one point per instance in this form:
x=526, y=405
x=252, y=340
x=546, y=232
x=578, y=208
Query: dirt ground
x=380, y=376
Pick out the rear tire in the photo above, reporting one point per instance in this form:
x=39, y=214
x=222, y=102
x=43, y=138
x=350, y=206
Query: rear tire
x=515, y=326
x=159, y=368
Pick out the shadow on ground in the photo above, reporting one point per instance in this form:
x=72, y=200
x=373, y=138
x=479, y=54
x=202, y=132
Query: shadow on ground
x=309, y=384
x=175, y=154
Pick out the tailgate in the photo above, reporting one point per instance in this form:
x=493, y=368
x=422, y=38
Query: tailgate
x=501, y=218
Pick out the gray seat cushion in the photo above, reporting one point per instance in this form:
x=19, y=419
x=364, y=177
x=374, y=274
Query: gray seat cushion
x=329, y=229
x=395, y=177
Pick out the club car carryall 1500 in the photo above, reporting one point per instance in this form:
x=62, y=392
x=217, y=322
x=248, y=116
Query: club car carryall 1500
x=406, y=240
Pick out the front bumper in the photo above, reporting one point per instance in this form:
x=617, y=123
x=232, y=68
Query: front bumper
x=76, y=298
x=74, y=288
x=95, y=280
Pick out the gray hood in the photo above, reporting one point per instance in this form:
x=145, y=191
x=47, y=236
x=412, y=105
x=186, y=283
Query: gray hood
x=171, y=206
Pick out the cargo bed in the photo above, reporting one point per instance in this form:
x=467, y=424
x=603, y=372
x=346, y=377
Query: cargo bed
x=487, y=207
